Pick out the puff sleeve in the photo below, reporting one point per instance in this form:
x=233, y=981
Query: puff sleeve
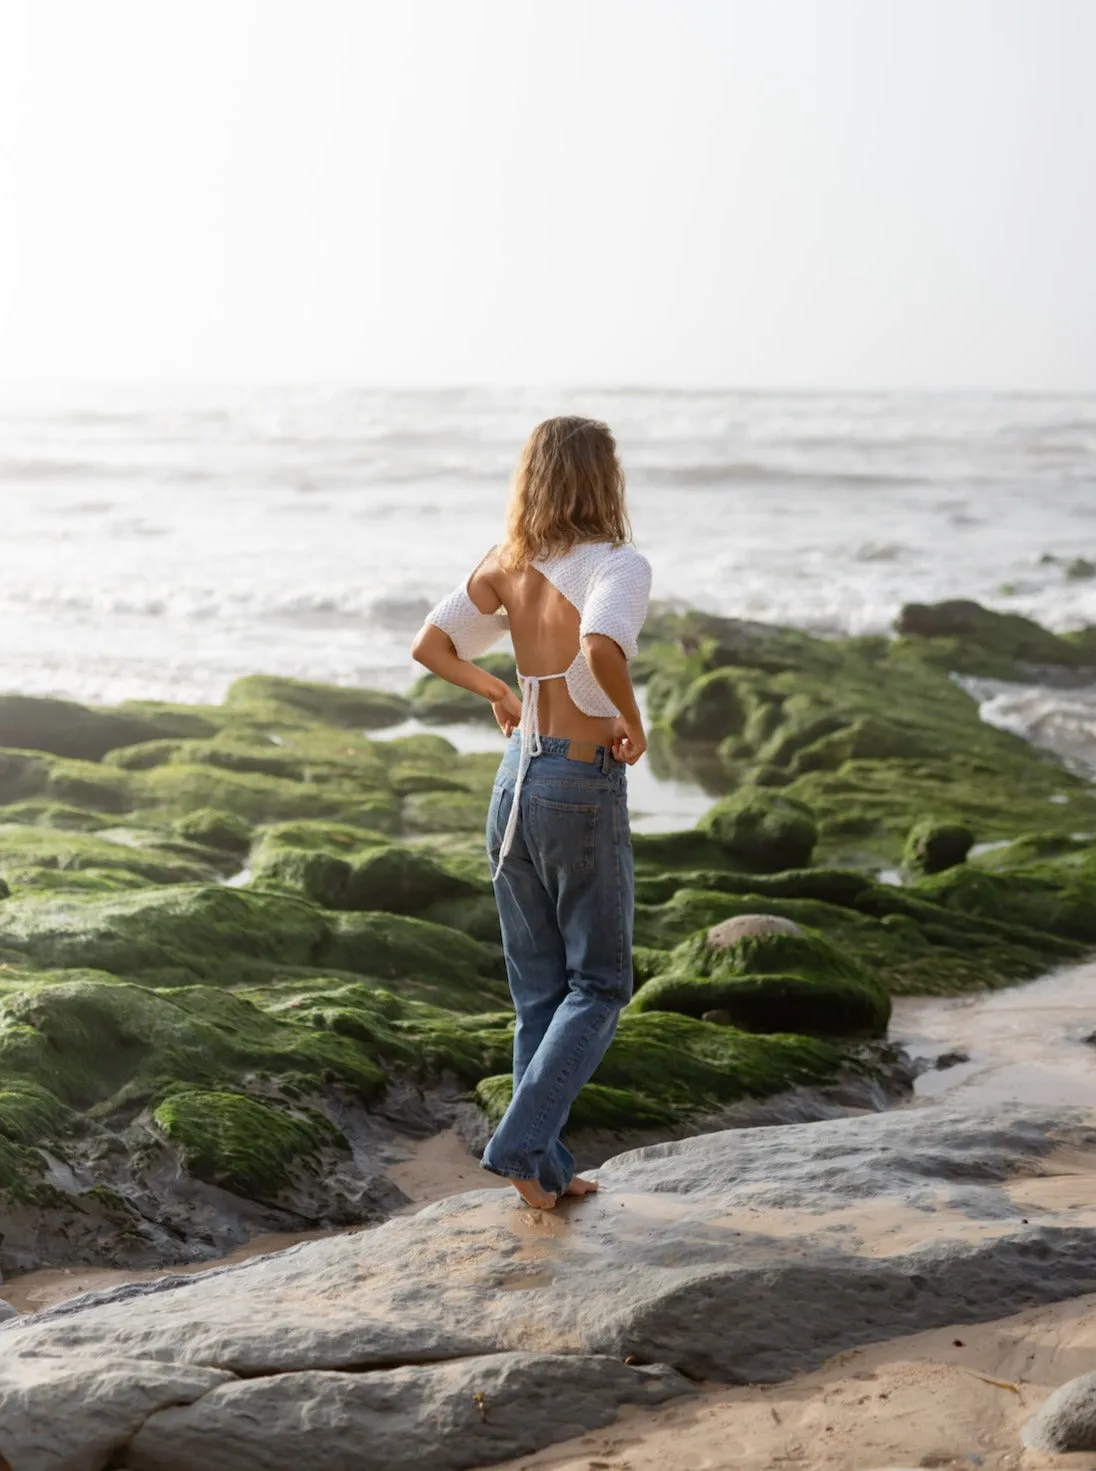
x=472, y=632
x=616, y=603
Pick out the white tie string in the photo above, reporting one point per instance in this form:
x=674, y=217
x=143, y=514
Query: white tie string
x=530, y=747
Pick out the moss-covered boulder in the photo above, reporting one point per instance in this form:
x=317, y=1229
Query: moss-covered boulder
x=776, y=982
x=933, y=846
x=35, y=857
x=665, y=1070
x=765, y=829
x=342, y=868
x=260, y=695
x=871, y=733
x=243, y=1144
x=962, y=636
x=212, y=828
x=1056, y=903
x=65, y=728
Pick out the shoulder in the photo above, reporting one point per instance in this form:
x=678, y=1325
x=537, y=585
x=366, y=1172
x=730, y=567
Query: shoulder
x=484, y=588
x=623, y=566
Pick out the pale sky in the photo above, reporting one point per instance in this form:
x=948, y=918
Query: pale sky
x=770, y=193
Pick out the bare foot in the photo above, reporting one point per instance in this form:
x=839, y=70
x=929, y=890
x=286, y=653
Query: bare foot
x=579, y=1186
x=533, y=1193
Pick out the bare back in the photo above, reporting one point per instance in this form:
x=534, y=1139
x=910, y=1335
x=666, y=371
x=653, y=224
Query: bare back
x=544, y=628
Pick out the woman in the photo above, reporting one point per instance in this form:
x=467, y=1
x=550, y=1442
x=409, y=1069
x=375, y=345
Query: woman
x=573, y=594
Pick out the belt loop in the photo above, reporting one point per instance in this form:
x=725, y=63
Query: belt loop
x=606, y=760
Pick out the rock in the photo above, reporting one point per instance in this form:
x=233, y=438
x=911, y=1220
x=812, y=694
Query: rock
x=1066, y=1422
x=1080, y=569
x=92, y=1417
x=766, y=829
x=343, y=868
x=773, y=978
x=445, y=1416
x=64, y=728
x=326, y=703
x=213, y=829
x=7, y=1311
x=744, y=1257
x=1056, y=899
x=749, y=926
x=933, y=846
x=981, y=641
x=951, y=1059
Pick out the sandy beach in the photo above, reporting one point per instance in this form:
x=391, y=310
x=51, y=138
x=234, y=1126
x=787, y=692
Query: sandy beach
x=952, y=1398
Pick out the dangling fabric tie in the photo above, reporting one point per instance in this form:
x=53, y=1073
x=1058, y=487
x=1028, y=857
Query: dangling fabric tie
x=530, y=747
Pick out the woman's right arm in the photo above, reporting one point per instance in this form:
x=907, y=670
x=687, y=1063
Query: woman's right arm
x=434, y=648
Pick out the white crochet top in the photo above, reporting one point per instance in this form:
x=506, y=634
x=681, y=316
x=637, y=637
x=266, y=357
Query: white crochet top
x=610, y=587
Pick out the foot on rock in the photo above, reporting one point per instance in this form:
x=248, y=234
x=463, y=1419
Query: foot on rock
x=579, y=1186
x=533, y=1193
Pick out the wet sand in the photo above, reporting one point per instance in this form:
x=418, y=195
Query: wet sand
x=1026, y=1044
x=952, y=1398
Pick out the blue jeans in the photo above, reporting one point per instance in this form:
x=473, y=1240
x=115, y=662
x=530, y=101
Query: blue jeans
x=566, y=898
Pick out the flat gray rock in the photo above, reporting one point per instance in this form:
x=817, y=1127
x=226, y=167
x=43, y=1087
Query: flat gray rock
x=742, y=1256
x=1067, y=1421
x=444, y=1416
x=7, y=1311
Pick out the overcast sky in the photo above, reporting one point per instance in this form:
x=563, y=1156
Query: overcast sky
x=831, y=193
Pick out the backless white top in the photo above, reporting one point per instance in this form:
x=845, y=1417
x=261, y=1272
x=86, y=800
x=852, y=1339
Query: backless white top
x=609, y=585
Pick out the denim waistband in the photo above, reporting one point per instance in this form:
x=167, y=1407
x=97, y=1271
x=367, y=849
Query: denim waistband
x=600, y=757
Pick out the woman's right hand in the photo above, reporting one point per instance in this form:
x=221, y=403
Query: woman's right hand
x=629, y=740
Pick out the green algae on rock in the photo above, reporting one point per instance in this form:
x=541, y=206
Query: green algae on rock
x=243, y=1144
x=933, y=846
x=771, y=983
x=766, y=829
x=321, y=704
x=873, y=735
x=670, y=1069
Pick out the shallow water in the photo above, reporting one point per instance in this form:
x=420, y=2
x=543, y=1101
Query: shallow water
x=1026, y=1044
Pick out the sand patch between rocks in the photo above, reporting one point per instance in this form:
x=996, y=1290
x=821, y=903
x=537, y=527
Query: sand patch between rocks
x=935, y=1399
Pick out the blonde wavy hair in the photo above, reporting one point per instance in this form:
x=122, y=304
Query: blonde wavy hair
x=568, y=488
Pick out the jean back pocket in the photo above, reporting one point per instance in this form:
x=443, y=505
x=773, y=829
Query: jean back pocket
x=564, y=834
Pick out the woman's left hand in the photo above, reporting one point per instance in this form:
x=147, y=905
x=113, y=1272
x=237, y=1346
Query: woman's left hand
x=507, y=709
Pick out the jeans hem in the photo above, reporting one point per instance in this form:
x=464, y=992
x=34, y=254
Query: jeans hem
x=506, y=1174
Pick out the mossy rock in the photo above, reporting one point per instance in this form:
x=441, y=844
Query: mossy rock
x=212, y=828
x=764, y=828
x=172, y=936
x=181, y=788
x=438, y=702
x=99, y=1044
x=445, y=811
x=42, y=857
x=772, y=983
x=39, y=812
x=666, y=1070
x=932, y=847
x=966, y=638
x=327, y=704
x=714, y=706
x=343, y=869
x=64, y=728
x=244, y=1144
x=1056, y=904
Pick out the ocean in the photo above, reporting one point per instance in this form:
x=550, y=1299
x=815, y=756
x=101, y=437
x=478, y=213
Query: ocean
x=162, y=541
